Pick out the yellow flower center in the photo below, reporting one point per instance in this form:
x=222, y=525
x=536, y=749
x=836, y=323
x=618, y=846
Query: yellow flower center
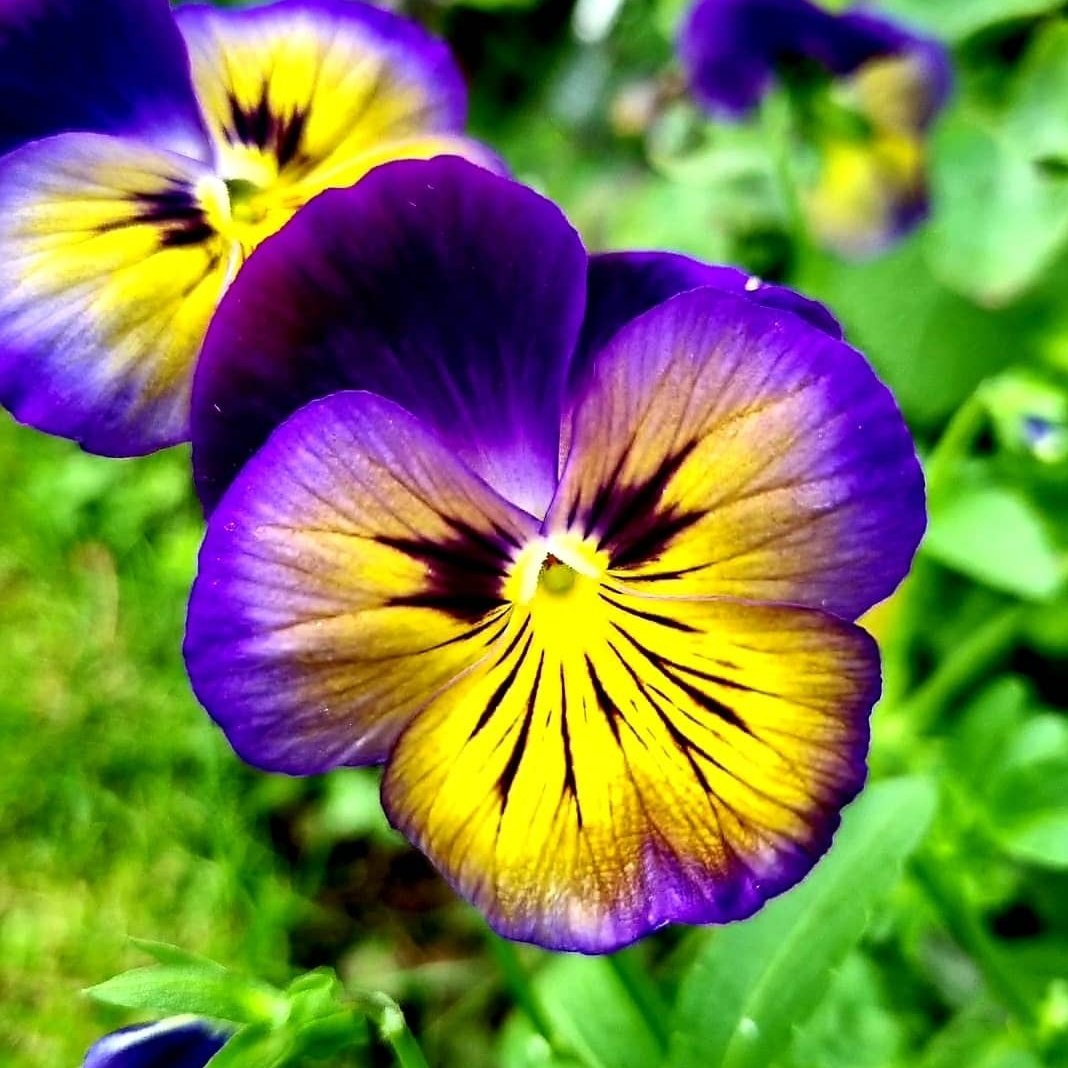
x=558, y=580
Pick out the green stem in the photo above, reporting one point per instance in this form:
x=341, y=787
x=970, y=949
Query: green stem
x=955, y=444
x=642, y=993
x=777, y=120
x=518, y=982
x=943, y=892
x=968, y=662
x=388, y=1020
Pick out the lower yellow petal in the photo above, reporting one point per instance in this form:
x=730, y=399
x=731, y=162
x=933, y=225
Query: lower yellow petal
x=656, y=761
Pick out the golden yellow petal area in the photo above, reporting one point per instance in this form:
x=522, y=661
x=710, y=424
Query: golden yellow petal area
x=353, y=569
x=303, y=98
x=113, y=271
x=893, y=92
x=864, y=190
x=618, y=762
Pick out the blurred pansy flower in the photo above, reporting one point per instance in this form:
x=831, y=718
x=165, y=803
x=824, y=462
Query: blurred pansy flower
x=867, y=91
x=178, y=1042
x=148, y=151
x=575, y=553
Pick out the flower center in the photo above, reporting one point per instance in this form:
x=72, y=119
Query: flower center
x=247, y=203
x=558, y=580
x=556, y=577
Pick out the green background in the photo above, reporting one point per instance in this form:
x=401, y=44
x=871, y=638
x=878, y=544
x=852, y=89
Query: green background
x=935, y=936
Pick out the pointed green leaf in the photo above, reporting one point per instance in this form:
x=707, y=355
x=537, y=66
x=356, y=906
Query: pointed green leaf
x=212, y=991
x=754, y=981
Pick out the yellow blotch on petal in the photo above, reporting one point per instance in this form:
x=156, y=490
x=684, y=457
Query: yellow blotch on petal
x=862, y=187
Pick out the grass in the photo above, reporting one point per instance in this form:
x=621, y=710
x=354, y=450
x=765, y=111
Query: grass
x=122, y=810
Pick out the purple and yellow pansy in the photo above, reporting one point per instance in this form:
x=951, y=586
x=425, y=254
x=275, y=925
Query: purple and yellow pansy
x=160, y=149
x=177, y=1042
x=872, y=88
x=573, y=545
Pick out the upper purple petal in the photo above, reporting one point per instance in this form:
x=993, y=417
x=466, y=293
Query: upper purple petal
x=100, y=66
x=731, y=49
x=180, y=1042
x=443, y=287
x=624, y=285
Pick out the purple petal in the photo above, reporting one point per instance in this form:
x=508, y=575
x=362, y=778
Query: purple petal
x=104, y=66
x=731, y=50
x=454, y=292
x=624, y=285
x=354, y=567
x=180, y=1042
x=725, y=449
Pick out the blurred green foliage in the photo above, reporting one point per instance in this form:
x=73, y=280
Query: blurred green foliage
x=935, y=935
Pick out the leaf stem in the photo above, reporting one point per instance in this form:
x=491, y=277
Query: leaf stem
x=642, y=993
x=944, y=893
x=955, y=444
x=777, y=122
x=518, y=982
x=968, y=662
x=388, y=1020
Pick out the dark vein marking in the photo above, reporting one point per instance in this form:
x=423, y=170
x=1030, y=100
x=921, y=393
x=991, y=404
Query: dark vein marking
x=570, y=782
x=511, y=769
x=499, y=694
x=464, y=573
x=630, y=521
x=279, y=135
x=176, y=211
x=607, y=706
x=650, y=617
x=670, y=669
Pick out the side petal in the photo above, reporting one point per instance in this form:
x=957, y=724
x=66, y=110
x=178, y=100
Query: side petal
x=353, y=569
x=306, y=95
x=623, y=285
x=683, y=762
x=724, y=449
x=110, y=273
x=731, y=51
x=868, y=193
x=452, y=291
x=178, y=1042
x=106, y=66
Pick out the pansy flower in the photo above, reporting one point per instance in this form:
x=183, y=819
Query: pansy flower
x=869, y=88
x=178, y=1042
x=573, y=546
x=147, y=152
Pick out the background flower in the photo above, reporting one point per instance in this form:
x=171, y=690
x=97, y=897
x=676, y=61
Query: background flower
x=867, y=129
x=117, y=240
x=179, y=1042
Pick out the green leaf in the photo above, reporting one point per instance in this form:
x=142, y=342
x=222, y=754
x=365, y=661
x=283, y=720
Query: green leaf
x=1000, y=218
x=592, y=1015
x=257, y=1046
x=854, y=1027
x=930, y=345
x=754, y=981
x=1037, y=117
x=211, y=991
x=993, y=534
x=165, y=953
x=956, y=19
x=1029, y=793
